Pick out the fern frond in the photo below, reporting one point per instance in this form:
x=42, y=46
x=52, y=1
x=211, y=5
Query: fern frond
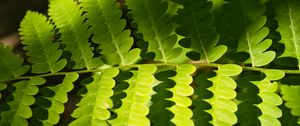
x=135, y=106
x=246, y=21
x=20, y=107
x=196, y=23
x=68, y=18
x=57, y=100
x=181, y=92
x=222, y=107
x=115, y=44
x=93, y=108
x=154, y=24
x=270, y=100
x=287, y=15
x=292, y=100
x=37, y=35
x=11, y=65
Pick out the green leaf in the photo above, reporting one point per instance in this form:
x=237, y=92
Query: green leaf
x=222, y=107
x=20, y=107
x=274, y=74
x=270, y=100
x=135, y=106
x=115, y=42
x=11, y=65
x=229, y=70
x=58, y=100
x=287, y=16
x=246, y=28
x=290, y=95
x=37, y=35
x=69, y=19
x=181, y=92
x=93, y=107
x=154, y=24
x=267, y=120
x=196, y=23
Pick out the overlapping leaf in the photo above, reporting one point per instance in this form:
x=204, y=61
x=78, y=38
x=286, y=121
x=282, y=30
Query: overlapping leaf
x=104, y=17
x=57, y=100
x=69, y=19
x=287, y=15
x=290, y=95
x=222, y=107
x=154, y=24
x=246, y=21
x=20, y=107
x=270, y=100
x=181, y=92
x=196, y=24
x=11, y=65
x=93, y=108
x=135, y=106
x=37, y=35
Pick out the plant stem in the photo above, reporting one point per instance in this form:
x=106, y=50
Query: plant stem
x=199, y=65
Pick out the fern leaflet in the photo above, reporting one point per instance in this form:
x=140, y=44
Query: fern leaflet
x=115, y=43
x=57, y=101
x=135, y=107
x=289, y=95
x=223, y=107
x=155, y=26
x=287, y=15
x=23, y=98
x=67, y=16
x=37, y=34
x=196, y=24
x=181, y=91
x=270, y=100
x=245, y=16
x=93, y=108
x=11, y=65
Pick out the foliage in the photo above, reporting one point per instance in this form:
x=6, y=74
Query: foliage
x=155, y=62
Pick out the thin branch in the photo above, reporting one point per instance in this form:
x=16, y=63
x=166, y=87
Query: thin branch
x=199, y=65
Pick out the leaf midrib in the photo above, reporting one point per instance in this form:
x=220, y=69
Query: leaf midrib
x=156, y=33
x=293, y=32
x=248, y=41
x=111, y=34
x=65, y=12
x=39, y=34
x=198, y=33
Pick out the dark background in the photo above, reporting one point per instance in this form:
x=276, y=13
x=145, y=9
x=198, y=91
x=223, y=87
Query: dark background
x=11, y=14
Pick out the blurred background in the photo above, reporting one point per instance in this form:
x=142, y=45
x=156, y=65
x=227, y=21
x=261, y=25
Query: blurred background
x=11, y=14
